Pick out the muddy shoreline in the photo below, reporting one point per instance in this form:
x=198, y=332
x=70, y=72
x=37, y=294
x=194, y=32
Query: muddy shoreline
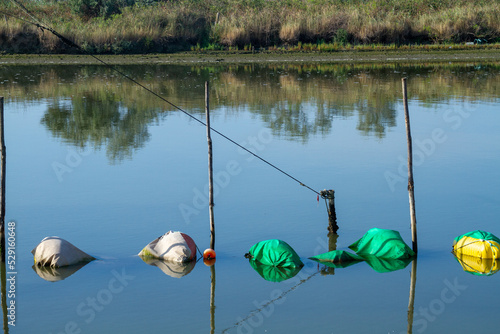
x=191, y=58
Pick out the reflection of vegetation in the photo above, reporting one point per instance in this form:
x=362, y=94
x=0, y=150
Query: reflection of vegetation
x=376, y=117
x=92, y=105
x=99, y=120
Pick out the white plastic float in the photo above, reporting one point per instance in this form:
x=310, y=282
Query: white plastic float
x=57, y=252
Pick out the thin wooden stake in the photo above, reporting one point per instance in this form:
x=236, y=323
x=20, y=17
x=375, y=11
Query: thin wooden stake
x=210, y=171
x=332, y=215
x=2, y=183
x=410, y=172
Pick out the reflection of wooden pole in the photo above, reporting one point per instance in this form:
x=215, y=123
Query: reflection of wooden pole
x=332, y=241
x=4, y=298
x=411, y=302
x=332, y=245
x=210, y=171
x=212, y=299
x=2, y=181
x=410, y=172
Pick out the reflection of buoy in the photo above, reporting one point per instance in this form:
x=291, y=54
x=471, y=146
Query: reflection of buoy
x=209, y=262
x=209, y=254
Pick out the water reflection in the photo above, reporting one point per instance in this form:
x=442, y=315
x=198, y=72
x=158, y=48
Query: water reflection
x=4, y=297
x=99, y=119
x=387, y=265
x=478, y=266
x=91, y=105
x=172, y=269
x=242, y=322
x=411, y=301
x=332, y=245
x=212, y=299
x=273, y=273
x=52, y=274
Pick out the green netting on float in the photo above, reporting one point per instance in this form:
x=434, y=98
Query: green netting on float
x=383, y=244
x=478, y=234
x=276, y=253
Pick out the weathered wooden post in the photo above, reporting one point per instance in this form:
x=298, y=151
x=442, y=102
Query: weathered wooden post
x=210, y=171
x=2, y=183
x=332, y=225
x=410, y=172
x=332, y=216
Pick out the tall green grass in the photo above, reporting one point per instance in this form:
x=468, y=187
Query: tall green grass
x=140, y=26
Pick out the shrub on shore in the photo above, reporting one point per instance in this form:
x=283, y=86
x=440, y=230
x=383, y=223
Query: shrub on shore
x=140, y=26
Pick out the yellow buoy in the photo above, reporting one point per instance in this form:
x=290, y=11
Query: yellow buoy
x=481, y=248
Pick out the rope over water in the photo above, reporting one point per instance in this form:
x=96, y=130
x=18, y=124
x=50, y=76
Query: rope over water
x=70, y=43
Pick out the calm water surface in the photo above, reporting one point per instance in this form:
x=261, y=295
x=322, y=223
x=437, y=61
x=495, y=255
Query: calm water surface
x=96, y=160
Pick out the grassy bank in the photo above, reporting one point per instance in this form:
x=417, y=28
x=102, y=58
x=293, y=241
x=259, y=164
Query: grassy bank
x=144, y=26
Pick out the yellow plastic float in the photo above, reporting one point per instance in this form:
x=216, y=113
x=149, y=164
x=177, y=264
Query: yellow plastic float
x=478, y=244
x=478, y=252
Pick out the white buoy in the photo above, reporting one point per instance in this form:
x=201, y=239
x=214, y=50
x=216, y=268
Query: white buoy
x=57, y=252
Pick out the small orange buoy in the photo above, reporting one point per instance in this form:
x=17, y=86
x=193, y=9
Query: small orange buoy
x=209, y=254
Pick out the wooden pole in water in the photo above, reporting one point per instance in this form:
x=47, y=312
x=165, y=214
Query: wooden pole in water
x=410, y=171
x=332, y=225
x=210, y=171
x=2, y=181
x=332, y=215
